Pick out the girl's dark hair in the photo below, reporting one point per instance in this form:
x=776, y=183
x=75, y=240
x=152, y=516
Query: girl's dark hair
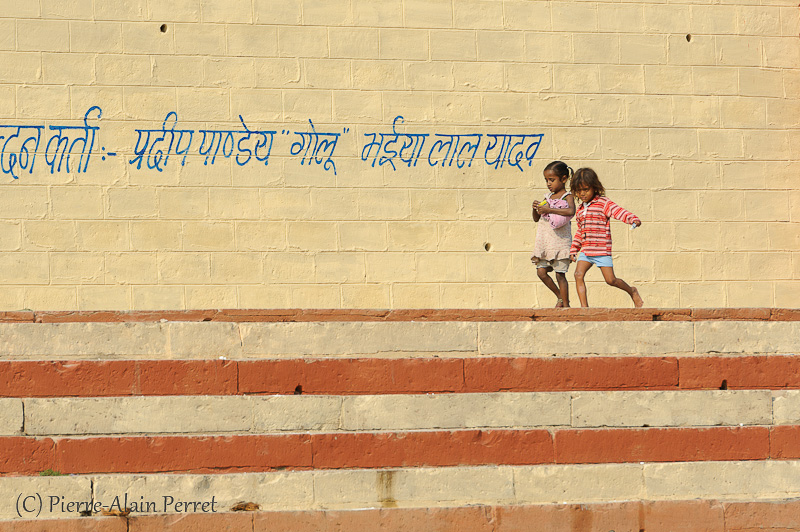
x=561, y=170
x=587, y=178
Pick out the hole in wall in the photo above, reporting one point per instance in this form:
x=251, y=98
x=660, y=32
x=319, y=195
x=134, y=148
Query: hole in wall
x=163, y=28
x=298, y=390
x=487, y=246
x=724, y=385
x=688, y=37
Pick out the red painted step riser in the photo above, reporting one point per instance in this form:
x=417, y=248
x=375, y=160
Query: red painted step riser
x=393, y=376
x=286, y=315
x=225, y=454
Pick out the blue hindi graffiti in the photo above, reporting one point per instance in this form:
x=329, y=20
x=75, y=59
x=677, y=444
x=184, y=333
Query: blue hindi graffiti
x=388, y=148
x=69, y=148
x=316, y=143
x=21, y=145
x=154, y=147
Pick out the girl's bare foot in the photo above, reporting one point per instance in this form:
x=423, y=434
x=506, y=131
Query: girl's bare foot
x=637, y=299
x=559, y=303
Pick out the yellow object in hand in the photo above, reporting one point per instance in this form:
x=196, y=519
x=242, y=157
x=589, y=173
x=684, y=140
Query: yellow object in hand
x=543, y=203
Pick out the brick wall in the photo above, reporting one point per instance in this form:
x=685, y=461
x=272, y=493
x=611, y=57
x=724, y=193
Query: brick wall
x=688, y=111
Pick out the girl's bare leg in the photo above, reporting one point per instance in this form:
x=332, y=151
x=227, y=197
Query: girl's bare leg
x=613, y=280
x=563, y=288
x=548, y=282
x=580, y=271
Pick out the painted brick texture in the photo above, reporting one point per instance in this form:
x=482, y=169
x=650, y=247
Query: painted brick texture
x=376, y=450
x=364, y=376
x=687, y=111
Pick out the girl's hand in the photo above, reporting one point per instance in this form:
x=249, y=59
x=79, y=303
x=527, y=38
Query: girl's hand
x=544, y=209
x=573, y=257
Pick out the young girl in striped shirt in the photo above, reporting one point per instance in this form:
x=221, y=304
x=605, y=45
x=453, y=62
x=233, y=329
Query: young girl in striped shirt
x=592, y=242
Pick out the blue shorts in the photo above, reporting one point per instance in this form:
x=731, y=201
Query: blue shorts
x=603, y=261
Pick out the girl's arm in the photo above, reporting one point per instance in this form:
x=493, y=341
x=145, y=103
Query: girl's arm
x=612, y=210
x=567, y=211
x=535, y=211
x=577, y=241
x=577, y=244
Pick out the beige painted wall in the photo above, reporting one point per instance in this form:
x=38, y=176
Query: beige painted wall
x=698, y=137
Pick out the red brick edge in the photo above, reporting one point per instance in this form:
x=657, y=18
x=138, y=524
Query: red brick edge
x=650, y=516
x=359, y=376
x=304, y=315
x=22, y=455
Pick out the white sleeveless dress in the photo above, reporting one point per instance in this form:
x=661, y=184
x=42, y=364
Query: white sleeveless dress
x=552, y=244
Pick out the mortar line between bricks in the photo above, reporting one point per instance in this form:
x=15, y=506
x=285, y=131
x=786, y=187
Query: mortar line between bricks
x=772, y=451
x=341, y=421
x=724, y=516
x=478, y=335
x=241, y=338
x=92, y=497
x=772, y=407
x=514, y=482
x=238, y=369
x=571, y=409
x=136, y=385
x=168, y=344
x=643, y=477
x=252, y=412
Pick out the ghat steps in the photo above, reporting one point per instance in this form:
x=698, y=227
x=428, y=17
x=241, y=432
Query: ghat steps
x=402, y=420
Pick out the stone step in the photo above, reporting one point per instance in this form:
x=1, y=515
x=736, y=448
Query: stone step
x=417, y=410
x=651, y=516
x=212, y=340
x=293, y=413
x=410, y=487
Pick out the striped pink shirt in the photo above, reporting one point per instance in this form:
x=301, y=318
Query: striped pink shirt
x=594, y=226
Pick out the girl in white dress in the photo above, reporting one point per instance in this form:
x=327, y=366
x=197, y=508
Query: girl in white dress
x=554, y=231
